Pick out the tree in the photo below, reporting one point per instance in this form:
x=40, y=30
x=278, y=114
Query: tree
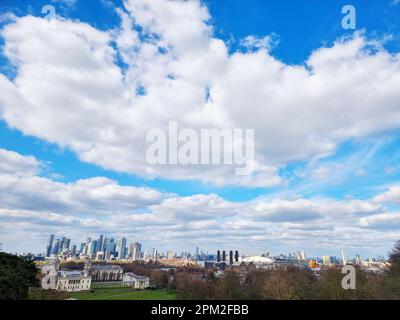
x=254, y=283
x=329, y=287
x=16, y=277
x=190, y=287
x=289, y=284
x=159, y=278
x=394, y=260
x=394, y=272
x=229, y=287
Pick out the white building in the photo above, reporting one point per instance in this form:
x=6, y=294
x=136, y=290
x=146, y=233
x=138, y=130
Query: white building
x=70, y=281
x=73, y=281
x=257, y=260
x=135, y=281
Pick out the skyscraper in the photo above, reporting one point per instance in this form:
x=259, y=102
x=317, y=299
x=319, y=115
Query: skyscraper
x=62, y=244
x=50, y=246
x=94, y=247
x=100, y=243
x=344, y=258
x=154, y=254
x=82, y=248
x=137, y=249
x=56, y=247
x=108, y=248
x=326, y=260
x=170, y=254
x=122, y=249
x=67, y=244
x=88, y=246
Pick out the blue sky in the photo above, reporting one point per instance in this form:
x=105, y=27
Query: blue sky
x=339, y=151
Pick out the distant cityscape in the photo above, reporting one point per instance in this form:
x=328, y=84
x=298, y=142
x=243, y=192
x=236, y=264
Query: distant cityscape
x=108, y=262
x=105, y=248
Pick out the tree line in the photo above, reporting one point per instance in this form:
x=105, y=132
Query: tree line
x=289, y=284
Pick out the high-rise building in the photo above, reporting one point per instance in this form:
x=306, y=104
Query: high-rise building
x=56, y=247
x=218, y=256
x=67, y=244
x=326, y=260
x=129, y=254
x=303, y=256
x=50, y=246
x=170, y=254
x=122, y=248
x=82, y=248
x=100, y=243
x=154, y=254
x=344, y=258
x=137, y=250
x=109, y=248
x=62, y=244
x=94, y=247
x=88, y=246
x=134, y=251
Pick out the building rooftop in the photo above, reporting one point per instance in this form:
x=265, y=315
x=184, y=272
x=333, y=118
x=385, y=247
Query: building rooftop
x=71, y=274
x=106, y=267
x=258, y=260
x=130, y=274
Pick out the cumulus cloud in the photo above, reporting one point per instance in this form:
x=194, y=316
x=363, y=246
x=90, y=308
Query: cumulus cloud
x=253, y=43
x=14, y=163
x=303, y=210
x=389, y=220
x=39, y=205
x=176, y=69
x=197, y=207
x=391, y=195
x=70, y=90
x=22, y=188
x=99, y=205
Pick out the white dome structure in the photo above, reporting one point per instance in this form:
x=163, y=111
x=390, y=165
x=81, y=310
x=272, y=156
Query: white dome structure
x=258, y=260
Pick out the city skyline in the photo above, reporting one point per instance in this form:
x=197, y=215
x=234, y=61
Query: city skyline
x=84, y=86
x=107, y=248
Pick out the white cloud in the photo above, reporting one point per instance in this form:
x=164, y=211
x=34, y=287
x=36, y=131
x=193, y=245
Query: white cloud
x=37, y=206
x=197, y=207
x=392, y=195
x=12, y=162
x=176, y=60
x=22, y=188
x=382, y=221
x=253, y=43
x=69, y=90
x=303, y=210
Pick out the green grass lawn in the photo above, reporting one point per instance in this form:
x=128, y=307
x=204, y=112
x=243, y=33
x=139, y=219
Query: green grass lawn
x=125, y=294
